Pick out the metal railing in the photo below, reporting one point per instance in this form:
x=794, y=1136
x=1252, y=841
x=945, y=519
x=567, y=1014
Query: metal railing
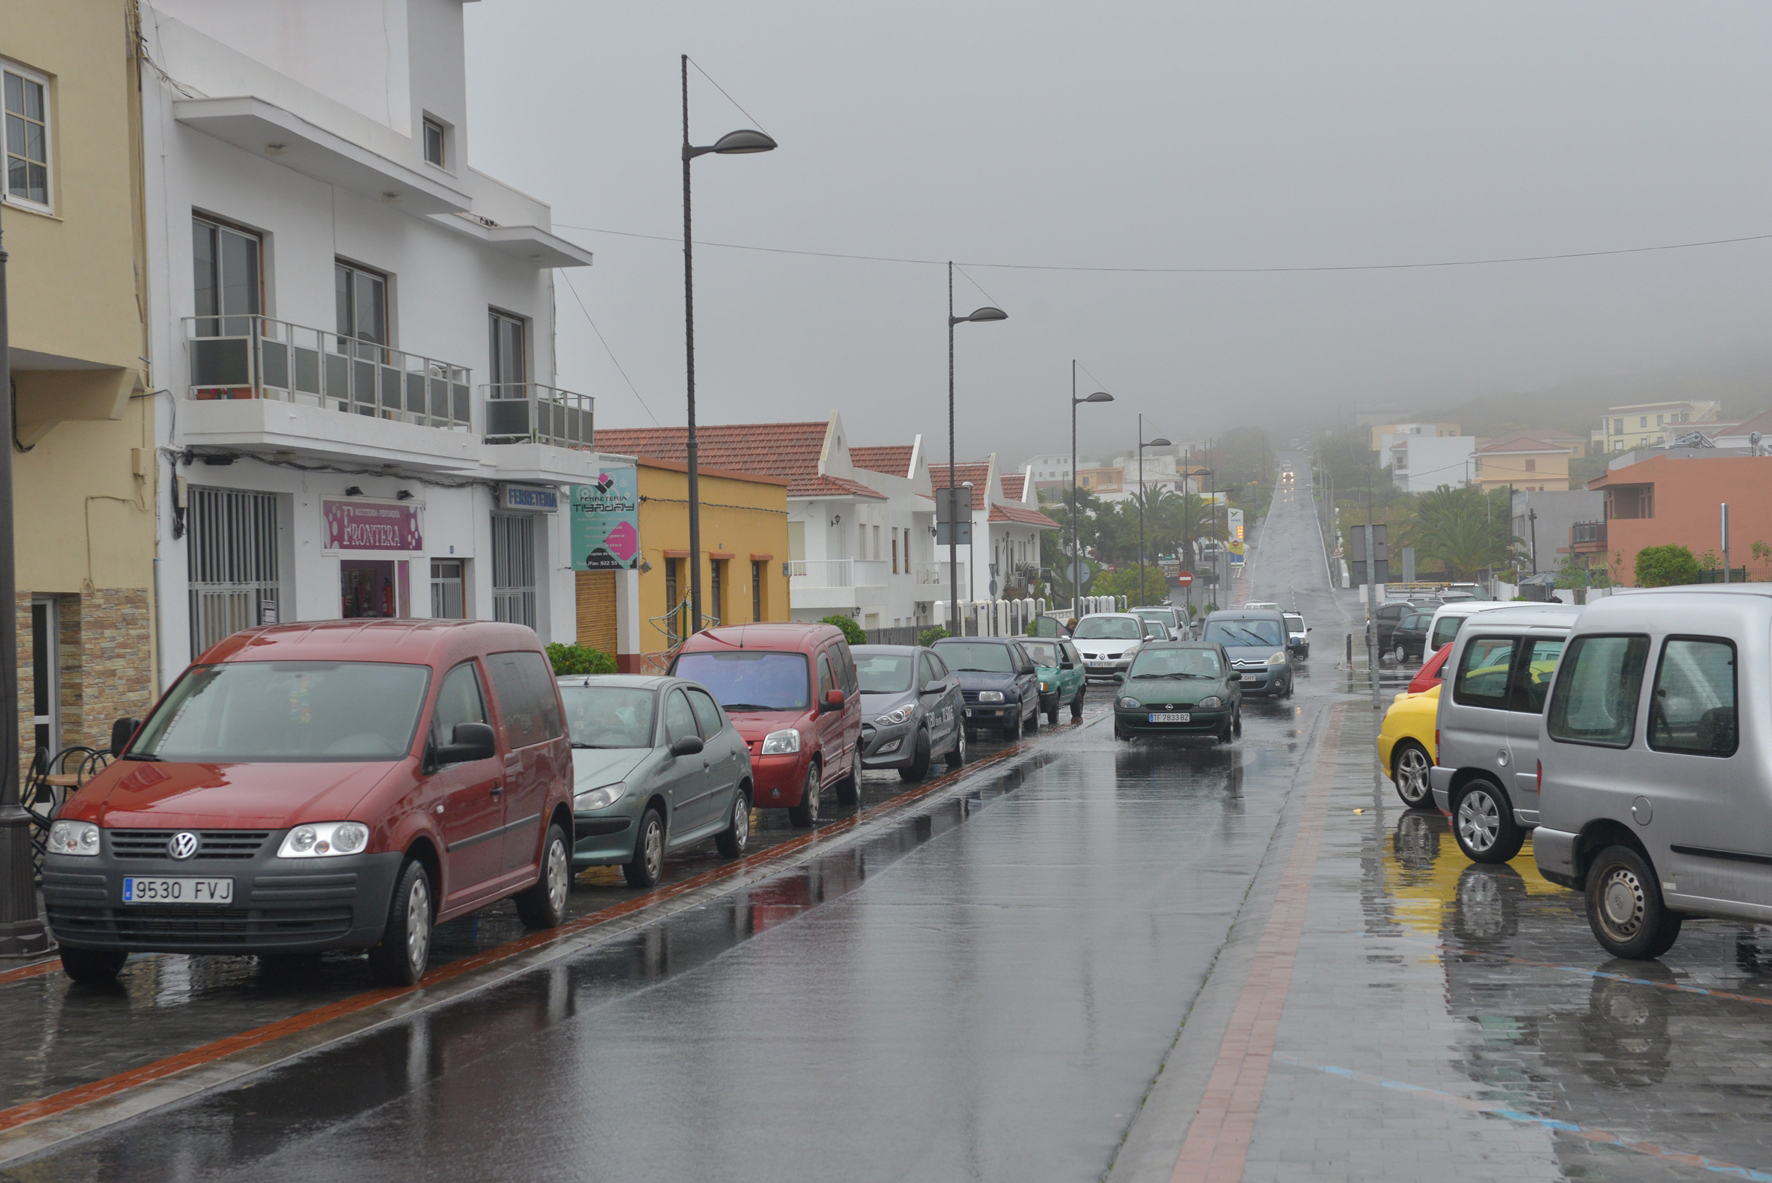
x=839, y=572
x=1587, y=534
x=528, y=412
x=234, y=357
x=930, y=574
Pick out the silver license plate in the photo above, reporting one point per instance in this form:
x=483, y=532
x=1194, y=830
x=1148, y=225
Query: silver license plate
x=176, y=889
x=1171, y=717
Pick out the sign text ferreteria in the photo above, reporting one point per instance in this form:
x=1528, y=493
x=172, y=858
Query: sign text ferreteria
x=372, y=525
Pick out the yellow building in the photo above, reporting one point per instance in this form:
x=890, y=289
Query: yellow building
x=83, y=460
x=1524, y=463
x=1643, y=424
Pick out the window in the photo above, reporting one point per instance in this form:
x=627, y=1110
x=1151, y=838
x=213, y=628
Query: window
x=508, y=356
x=361, y=297
x=707, y=715
x=225, y=272
x=679, y=719
x=1595, y=702
x=748, y=679
x=717, y=587
x=1660, y=420
x=27, y=136
x=1531, y=465
x=672, y=596
x=827, y=682
x=1618, y=427
x=1642, y=420
x=513, y=568
x=436, y=136
x=1618, y=445
x=756, y=589
x=940, y=666
x=231, y=562
x=925, y=671
x=1483, y=672
x=1532, y=678
x=895, y=549
x=46, y=680
x=523, y=682
x=449, y=599
x=1693, y=708
x=459, y=700
x=877, y=551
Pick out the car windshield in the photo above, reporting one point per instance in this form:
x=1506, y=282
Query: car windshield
x=1176, y=663
x=884, y=673
x=608, y=716
x=979, y=658
x=1243, y=632
x=1043, y=652
x=750, y=679
x=1295, y=624
x=287, y=711
x=1109, y=628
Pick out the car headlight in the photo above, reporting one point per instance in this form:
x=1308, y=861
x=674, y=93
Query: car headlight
x=1211, y=702
x=322, y=839
x=990, y=696
x=76, y=838
x=1129, y=703
x=781, y=743
x=1278, y=658
x=894, y=718
x=601, y=798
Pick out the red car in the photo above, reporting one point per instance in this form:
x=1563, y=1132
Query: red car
x=792, y=692
x=1428, y=676
x=345, y=784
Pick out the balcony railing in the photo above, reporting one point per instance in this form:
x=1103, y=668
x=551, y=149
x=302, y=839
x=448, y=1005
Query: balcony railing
x=930, y=574
x=528, y=412
x=235, y=357
x=1588, y=534
x=838, y=572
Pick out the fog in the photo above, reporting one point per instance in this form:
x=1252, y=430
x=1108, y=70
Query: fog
x=1231, y=136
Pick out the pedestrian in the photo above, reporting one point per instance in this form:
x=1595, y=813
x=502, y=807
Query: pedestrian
x=1070, y=626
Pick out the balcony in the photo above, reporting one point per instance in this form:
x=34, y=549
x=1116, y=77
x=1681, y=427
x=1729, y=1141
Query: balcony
x=1587, y=538
x=530, y=413
x=847, y=584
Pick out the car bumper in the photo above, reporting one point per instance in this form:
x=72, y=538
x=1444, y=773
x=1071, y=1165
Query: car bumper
x=1265, y=679
x=992, y=714
x=279, y=905
x=1441, y=780
x=1554, y=852
x=780, y=781
x=889, y=747
x=602, y=839
x=1199, y=722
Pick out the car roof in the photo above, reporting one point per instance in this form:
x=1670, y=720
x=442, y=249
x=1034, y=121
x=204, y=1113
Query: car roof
x=1180, y=644
x=402, y=640
x=790, y=635
x=1244, y=614
x=891, y=650
x=1526, y=616
x=1103, y=616
x=989, y=640
x=1661, y=609
x=621, y=681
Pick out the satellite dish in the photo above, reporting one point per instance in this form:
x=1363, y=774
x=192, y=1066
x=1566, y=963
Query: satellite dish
x=1753, y=440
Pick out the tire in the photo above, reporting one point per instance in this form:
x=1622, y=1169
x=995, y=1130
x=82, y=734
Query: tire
x=1032, y=722
x=1483, y=823
x=1120, y=733
x=1077, y=706
x=92, y=967
x=732, y=841
x=849, y=788
x=1237, y=721
x=919, y=765
x=1052, y=715
x=957, y=754
x=1624, y=906
x=805, y=814
x=1012, y=731
x=1409, y=773
x=405, y=948
x=644, y=869
x=543, y=904
x=1224, y=733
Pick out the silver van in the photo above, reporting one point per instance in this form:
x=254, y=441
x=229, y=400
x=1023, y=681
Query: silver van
x=1486, y=757
x=1654, y=804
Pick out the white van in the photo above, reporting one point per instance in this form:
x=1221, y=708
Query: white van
x=1448, y=618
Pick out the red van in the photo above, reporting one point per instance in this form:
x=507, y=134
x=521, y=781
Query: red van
x=344, y=784
x=792, y=693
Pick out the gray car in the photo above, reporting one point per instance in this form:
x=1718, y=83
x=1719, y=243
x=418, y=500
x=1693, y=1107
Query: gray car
x=1255, y=640
x=657, y=766
x=911, y=709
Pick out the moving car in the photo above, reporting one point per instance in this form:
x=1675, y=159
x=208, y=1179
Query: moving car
x=1298, y=637
x=333, y=785
x=791, y=691
x=999, y=680
x=1406, y=744
x=911, y=708
x=1062, y=680
x=1180, y=688
x=1107, y=641
x=1256, y=643
x=657, y=767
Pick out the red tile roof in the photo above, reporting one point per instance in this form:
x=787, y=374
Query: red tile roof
x=1026, y=517
x=831, y=486
x=1013, y=485
x=1522, y=443
x=788, y=450
x=976, y=471
x=892, y=459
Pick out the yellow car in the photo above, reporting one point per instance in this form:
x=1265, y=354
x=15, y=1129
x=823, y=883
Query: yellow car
x=1406, y=745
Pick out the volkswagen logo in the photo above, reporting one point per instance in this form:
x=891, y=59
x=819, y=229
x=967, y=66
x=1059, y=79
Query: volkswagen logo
x=182, y=845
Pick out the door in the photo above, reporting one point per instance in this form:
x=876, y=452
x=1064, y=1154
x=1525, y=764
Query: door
x=684, y=779
x=529, y=707
x=723, y=756
x=1533, y=671
x=1072, y=677
x=1475, y=733
x=938, y=710
x=1027, y=683
x=472, y=795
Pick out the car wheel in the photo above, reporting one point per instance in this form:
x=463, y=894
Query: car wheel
x=732, y=841
x=971, y=734
x=93, y=967
x=405, y=948
x=1402, y=655
x=1052, y=715
x=1409, y=772
x=919, y=765
x=805, y=814
x=1483, y=822
x=1624, y=906
x=849, y=788
x=1012, y=730
x=544, y=904
x=1077, y=706
x=1224, y=733
x=1031, y=722
x=647, y=864
x=957, y=754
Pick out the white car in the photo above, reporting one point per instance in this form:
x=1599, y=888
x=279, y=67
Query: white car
x=1108, y=641
x=1259, y=606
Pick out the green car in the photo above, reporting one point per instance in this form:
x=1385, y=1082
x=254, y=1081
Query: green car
x=1179, y=688
x=1063, y=680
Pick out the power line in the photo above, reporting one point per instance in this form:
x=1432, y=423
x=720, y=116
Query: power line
x=567, y=276
x=729, y=98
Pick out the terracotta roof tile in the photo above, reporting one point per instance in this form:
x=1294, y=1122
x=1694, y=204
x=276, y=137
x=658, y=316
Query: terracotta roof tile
x=788, y=450
x=1026, y=517
x=831, y=486
x=892, y=459
x=976, y=471
x=1013, y=485
x=1522, y=442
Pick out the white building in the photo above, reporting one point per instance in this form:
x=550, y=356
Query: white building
x=352, y=329
x=1422, y=462
x=1005, y=554
x=1052, y=472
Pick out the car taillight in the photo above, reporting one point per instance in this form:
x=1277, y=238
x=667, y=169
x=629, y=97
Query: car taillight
x=1436, y=745
x=1538, y=775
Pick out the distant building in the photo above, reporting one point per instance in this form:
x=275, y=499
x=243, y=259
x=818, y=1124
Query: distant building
x=1641, y=425
x=1420, y=463
x=1050, y=471
x=1383, y=434
x=1546, y=522
x=1674, y=497
x=1524, y=462
x=1102, y=479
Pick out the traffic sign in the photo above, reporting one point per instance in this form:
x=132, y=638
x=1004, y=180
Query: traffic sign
x=1184, y=578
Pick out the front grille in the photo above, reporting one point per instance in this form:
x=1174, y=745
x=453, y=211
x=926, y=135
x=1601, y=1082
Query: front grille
x=231, y=845
x=146, y=926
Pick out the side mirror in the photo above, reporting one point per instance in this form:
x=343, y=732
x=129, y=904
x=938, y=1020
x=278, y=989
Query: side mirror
x=689, y=745
x=1030, y=669
x=1067, y=664
x=1119, y=677
x=833, y=701
x=1235, y=677
x=934, y=687
x=122, y=731
x=469, y=741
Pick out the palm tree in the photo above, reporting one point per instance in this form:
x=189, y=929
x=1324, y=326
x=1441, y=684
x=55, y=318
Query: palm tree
x=1461, y=529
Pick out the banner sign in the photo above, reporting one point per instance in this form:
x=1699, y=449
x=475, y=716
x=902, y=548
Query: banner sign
x=528, y=498
x=606, y=521
x=372, y=525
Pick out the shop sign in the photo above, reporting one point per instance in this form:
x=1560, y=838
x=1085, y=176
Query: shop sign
x=606, y=521
x=372, y=525
x=528, y=498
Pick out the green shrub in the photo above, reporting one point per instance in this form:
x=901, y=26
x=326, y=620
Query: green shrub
x=930, y=636
x=854, y=632
x=576, y=659
x=1666, y=566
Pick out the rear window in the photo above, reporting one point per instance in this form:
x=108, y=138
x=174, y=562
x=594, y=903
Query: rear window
x=1693, y=708
x=1483, y=672
x=1534, y=676
x=524, y=687
x=1108, y=628
x=1247, y=633
x=749, y=679
x=1444, y=632
x=979, y=657
x=1595, y=701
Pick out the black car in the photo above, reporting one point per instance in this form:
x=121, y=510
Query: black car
x=1389, y=616
x=999, y=681
x=1408, y=640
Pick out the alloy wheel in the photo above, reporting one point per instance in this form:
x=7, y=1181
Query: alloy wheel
x=741, y=822
x=1412, y=776
x=418, y=923
x=1479, y=820
x=558, y=873
x=654, y=849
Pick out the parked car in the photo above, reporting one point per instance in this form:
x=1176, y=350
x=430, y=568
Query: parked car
x=1298, y=636
x=1406, y=744
x=1656, y=800
x=1428, y=676
x=999, y=680
x=1409, y=638
x=657, y=767
x=1388, y=617
x=1450, y=617
x=912, y=709
x=1062, y=680
x=1156, y=630
x=1180, y=688
x=1107, y=641
x=791, y=691
x=1485, y=774
x=1169, y=615
x=1255, y=639
x=340, y=784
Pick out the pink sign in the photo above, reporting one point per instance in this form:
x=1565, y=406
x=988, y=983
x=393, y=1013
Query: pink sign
x=369, y=525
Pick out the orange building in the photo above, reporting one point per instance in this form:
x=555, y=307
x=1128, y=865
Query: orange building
x=1676, y=498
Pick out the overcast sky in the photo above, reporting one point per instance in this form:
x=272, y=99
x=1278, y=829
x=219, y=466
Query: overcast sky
x=1232, y=135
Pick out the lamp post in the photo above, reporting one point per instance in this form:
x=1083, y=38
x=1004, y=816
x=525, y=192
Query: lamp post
x=733, y=143
x=977, y=314
x=1143, y=443
x=1100, y=396
x=1188, y=525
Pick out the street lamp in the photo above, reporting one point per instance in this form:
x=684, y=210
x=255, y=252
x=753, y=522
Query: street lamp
x=733, y=143
x=978, y=315
x=1143, y=443
x=1187, y=519
x=1100, y=396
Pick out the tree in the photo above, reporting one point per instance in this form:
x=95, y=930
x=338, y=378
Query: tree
x=1666, y=566
x=852, y=632
x=1462, y=529
x=1124, y=582
x=578, y=659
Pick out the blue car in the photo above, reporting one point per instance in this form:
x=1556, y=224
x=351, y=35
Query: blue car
x=999, y=681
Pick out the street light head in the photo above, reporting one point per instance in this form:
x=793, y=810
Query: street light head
x=988, y=313
x=737, y=143
x=1159, y=442
x=1100, y=396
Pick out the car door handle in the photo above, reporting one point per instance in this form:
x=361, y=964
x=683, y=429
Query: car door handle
x=498, y=788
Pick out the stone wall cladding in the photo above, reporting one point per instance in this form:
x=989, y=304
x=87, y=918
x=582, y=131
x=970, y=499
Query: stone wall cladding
x=106, y=662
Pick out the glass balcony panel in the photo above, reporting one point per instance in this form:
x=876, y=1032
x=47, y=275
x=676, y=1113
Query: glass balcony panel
x=273, y=363
x=221, y=361
x=307, y=370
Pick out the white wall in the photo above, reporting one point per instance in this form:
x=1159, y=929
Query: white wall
x=1435, y=461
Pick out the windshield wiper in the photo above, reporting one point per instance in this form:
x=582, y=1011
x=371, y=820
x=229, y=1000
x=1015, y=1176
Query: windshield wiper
x=141, y=756
x=605, y=746
x=751, y=706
